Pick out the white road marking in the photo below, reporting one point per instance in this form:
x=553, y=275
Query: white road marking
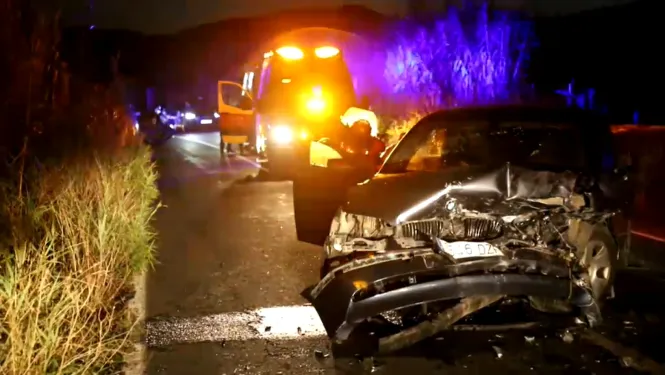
x=281, y=322
x=199, y=163
x=194, y=139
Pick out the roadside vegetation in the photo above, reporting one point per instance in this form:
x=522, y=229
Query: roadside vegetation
x=77, y=194
x=468, y=56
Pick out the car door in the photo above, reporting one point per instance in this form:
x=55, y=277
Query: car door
x=236, y=116
x=318, y=191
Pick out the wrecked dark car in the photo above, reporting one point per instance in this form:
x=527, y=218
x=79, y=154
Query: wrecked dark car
x=474, y=207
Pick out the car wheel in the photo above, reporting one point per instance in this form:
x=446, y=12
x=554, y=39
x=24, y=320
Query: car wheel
x=600, y=258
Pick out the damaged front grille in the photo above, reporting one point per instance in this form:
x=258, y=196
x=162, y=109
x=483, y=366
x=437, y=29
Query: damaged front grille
x=468, y=229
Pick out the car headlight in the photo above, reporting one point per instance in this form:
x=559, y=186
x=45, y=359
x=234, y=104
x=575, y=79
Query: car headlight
x=190, y=116
x=216, y=115
x=282, y=134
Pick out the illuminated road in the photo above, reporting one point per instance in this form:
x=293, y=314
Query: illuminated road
x=225, y=296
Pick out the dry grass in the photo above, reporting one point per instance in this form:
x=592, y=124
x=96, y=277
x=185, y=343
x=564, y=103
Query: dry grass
x=74, y=237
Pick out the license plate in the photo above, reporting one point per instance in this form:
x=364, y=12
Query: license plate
x=206, y=121
x=463, y=249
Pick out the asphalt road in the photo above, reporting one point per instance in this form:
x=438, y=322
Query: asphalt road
x=225, y=296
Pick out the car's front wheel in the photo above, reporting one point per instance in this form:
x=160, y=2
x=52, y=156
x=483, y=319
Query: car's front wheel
x=599, y=256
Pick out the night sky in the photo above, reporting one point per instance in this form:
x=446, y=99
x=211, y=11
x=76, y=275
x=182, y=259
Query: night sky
x=166, y=16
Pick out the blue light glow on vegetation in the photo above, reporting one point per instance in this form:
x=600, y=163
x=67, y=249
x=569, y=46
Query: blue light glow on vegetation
x=466, y=57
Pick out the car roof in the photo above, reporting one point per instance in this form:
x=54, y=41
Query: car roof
x=519, y=112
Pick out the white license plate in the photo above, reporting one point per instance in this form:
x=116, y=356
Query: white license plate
x=463, y=249
x=206, y=121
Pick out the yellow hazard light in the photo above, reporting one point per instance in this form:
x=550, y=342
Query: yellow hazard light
x=326, y=52
x=290, y=53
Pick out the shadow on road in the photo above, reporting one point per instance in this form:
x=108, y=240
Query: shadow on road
x=263, y=175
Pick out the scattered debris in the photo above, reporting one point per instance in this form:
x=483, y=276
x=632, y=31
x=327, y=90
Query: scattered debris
x=628, y=357
x=529, y=339
x=443, y=321
x=267, y=329
x=495, y=327
x=320, y=354
x=376, y=365
x=627, y=362
x=499, y=353
x=567, y=337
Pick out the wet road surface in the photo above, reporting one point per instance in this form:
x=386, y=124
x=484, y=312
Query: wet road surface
x=225, y=296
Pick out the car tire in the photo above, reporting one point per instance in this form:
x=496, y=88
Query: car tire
x=601, y=253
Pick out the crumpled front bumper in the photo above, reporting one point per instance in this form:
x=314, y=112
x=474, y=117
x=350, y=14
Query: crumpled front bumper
x=427, y=277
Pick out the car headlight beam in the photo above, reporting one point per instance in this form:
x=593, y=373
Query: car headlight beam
x=282, y=134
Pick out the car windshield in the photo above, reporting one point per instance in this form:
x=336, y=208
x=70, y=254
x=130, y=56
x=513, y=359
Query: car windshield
x=434, y=146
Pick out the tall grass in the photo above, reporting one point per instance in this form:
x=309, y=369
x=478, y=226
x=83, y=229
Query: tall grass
x=75, y=207
x=75, y=235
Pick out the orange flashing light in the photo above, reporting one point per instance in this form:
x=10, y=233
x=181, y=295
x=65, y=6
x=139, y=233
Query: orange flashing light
x=326, y=52
x=360, y=285
x=290, y=53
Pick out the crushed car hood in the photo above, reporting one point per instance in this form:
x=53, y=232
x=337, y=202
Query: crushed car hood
x=388, y=196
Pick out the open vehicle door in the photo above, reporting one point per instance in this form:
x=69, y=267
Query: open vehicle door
x=236, y=114
x=320, y=188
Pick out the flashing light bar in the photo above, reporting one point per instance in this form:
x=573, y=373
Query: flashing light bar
x=326, y=52
x=290, y=53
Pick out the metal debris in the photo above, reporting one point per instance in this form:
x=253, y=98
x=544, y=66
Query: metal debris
x=499, y=353
x=529, y=339
x=628, y=357
x=567, y=337
x=320, y=354
x=443, y=321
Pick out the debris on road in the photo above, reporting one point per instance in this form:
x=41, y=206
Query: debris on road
x=499, y=353
x=320, y=354
x=567, y=337
x=428, y=329
x=628, y=357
